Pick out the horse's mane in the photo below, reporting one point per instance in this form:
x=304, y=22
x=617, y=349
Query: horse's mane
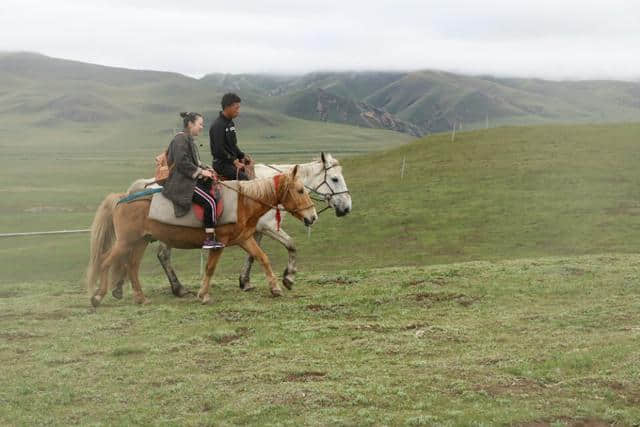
x=305, y=168
x=261, y=188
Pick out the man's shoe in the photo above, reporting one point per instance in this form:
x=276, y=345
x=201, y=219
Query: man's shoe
x=212, y=244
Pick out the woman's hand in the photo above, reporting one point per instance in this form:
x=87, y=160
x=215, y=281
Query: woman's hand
x=207, y=173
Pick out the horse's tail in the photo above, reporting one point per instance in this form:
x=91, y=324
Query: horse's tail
x=103, y=235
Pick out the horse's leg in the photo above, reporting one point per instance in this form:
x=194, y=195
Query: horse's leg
x=212, y=261
x=251, y=246
x=164, y=256
x=288, y=277
x=245, y=273
x=133, y=266
x=114, y=255
x=118, y=274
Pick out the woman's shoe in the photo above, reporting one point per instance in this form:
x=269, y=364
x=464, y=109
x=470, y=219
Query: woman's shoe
x=212, y=244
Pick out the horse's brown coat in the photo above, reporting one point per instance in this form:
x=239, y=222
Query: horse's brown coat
x=120, y=233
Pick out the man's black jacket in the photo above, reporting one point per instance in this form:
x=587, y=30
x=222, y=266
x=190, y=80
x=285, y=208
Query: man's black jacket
x=223, y=141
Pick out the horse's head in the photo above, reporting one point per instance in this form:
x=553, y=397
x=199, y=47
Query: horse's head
x=295, y=198
x=330, y=183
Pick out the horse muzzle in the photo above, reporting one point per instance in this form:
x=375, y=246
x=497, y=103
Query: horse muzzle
x=342, y=211
x=310, y=221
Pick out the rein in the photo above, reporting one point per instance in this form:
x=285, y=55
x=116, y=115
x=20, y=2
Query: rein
x=276, y=182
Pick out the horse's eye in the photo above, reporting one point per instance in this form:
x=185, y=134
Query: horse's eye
x=301, y=191
x=334, y=179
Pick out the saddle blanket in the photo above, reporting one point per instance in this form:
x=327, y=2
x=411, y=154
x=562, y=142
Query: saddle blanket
x=161, y=209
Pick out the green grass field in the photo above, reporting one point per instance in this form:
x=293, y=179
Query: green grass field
x=496, y=283
x=551, y=340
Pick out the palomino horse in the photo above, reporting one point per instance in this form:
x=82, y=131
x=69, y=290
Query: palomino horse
x=323, y=178
x=121, y=233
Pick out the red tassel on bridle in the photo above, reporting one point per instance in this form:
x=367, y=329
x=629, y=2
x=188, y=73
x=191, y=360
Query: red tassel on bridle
x=276, y=181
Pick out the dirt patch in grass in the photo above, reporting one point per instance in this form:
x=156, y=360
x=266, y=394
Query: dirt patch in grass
x=227, y=338
x=19, y=335
x=574, y=271
x=128, y=351
x=374, y=328
x=515, y=386
x=322, y=308
x=438, y=296
x=337, y=280
x=438, y=333
x=306, y=376
x=415, y=282
x=238, y=316
x=8, y=293
x=52, y=315
x=629, y=392
x=492, y=360
x=571, y=422
x=435, y=297
x=412, y=326
x=59, y=362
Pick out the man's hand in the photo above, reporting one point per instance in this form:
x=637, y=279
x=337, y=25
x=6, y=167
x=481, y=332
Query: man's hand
x=238, y=164
x=247, y=159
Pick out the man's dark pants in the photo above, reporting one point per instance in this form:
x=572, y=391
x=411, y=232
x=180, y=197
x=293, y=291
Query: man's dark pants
x=229, y=171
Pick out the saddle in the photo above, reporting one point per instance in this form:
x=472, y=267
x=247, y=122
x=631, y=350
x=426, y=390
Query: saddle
x=161, y=208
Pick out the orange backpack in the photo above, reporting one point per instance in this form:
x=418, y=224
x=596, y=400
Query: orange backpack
x=162, y=167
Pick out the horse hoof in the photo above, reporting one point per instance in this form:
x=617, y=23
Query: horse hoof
x=276, y=292
x=287, y=278
x=95, y=300
x=180, y=291
x=204, y=299
x=117, y=293
x=241, y=283
x=248, y=287
x=288, y=283
x=142, y=301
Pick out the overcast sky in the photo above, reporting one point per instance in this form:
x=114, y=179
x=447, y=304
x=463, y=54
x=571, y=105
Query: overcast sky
x=560, y=39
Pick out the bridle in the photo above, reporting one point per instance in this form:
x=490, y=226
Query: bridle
x=319, y=196
x=276, y=182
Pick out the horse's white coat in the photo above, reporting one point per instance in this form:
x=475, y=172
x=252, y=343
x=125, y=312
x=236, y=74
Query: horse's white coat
x=313, y=176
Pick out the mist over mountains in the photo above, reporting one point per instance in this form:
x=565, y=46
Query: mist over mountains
x=56, y=92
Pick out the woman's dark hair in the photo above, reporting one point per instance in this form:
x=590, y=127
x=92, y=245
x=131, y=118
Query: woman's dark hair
x=229, y=99
x=189, y=118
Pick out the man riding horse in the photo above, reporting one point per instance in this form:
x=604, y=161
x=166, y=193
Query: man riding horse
x=228, y=160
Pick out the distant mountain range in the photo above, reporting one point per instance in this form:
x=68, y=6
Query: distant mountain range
x=55, y=91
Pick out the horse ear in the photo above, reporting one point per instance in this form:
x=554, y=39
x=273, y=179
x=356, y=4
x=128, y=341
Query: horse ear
x=322, y=156
x=294, y=172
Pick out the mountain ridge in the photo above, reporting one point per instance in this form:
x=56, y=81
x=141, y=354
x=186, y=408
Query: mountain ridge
x=416, y=102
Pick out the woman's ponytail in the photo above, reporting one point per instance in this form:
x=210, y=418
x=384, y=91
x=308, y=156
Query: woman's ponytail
x=189, y=117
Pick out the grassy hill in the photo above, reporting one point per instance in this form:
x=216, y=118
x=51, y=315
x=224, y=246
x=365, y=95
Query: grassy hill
x=504, y=193
x=54, y=92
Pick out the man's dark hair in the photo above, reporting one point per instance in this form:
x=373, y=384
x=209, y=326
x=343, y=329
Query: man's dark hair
x=229, y=99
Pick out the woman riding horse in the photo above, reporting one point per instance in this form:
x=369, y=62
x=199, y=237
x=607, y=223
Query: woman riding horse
x=120, y=233
x=190, y=180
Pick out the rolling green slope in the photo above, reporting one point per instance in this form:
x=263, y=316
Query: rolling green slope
x=509, y=192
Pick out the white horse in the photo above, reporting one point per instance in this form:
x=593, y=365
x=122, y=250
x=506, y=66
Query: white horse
x=323, y=178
